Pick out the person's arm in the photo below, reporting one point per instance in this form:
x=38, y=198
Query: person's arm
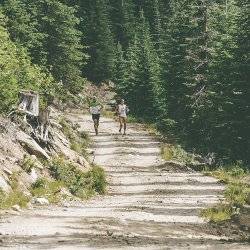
x=127, y=109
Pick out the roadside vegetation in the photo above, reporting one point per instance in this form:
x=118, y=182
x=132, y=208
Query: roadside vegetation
x=49, y=189
x=15, y=196
x=176, y=152
x=235, y=177
x=81, y=184
x=79, y=141
x=237, y=193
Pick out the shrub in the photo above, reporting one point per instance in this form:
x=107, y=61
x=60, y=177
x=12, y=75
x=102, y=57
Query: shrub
x=48, y=189
x=218, y=213
x=236, y=192
x=13, y=198
x=27, y=164
x=82, y=184
x=79, y=141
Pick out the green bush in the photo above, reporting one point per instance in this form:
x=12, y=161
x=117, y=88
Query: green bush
x=81, y=184
x=48, y=189
x=236, y=192
x=79, y=141
x=27, y=164
x=176, y=152
x=17, y=72
x=15, y=197
x=217, y=214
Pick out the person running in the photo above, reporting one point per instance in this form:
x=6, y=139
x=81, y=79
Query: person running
x=122, y=110
x=95, y=110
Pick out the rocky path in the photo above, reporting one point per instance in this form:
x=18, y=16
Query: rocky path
x=147, y=206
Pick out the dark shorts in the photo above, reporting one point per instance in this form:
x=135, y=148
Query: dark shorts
x=96, y=117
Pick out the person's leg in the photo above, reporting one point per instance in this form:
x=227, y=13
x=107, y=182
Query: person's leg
x=97, y=124
x=125, y=125
x=120, y=121
x=95, y=120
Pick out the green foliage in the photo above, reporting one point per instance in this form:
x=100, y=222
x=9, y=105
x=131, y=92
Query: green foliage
x=17, y=72
x=13, y=198
x=47, y=189
x=28, y=163
x=140, y=82
x=78, y=140
x=183, y=65
x=176, y=152
x=96, y=27
x=229, y=174
x=218, y=214
x=236, y=193
x=81, y=184
x=99, y=179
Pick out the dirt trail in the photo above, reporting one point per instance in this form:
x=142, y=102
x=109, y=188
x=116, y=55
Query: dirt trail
x=145, y=208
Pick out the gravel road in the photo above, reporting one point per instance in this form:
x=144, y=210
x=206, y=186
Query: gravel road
x=147, y=206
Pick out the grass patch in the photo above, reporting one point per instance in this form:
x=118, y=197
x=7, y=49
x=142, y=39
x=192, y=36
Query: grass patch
x=228, y=174
x=236, y=193
x=27, y=164
x=176, y=152
x=47, y=189
x=217, y=214
x=81, y=184
x=79, y=141
x=15, y=197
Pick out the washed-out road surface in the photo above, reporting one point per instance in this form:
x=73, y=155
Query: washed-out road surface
x=147, y=206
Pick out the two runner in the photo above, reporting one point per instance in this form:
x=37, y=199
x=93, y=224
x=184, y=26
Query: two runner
x=95, y=109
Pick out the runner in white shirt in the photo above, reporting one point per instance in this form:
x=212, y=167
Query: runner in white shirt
x=122, y=110
x=95, y=110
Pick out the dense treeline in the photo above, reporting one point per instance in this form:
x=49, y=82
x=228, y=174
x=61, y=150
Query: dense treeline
x=182, y=64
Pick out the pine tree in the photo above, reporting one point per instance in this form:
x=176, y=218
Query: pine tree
x=144, y=90
x=63, y=44
x=239, y=114
x=119, y=71
x=96, y=27
x=123, y=19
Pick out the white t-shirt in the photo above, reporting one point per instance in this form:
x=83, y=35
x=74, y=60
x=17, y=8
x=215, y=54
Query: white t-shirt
x=122, y=109
x=95, y=110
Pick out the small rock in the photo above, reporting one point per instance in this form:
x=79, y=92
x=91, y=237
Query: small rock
x=16, y=208
x=29, y=206
x=65, y=192
x=109, y=233
x=7, y=171
x=3, y=184
x=33, y=158
x=2, y=160
x=33, y=175
x=31, y=145
x=40, y=201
